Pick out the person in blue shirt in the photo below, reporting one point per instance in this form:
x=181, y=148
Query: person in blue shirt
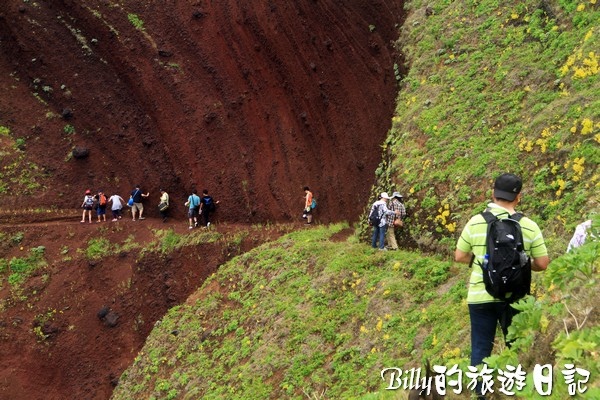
x=193, y=204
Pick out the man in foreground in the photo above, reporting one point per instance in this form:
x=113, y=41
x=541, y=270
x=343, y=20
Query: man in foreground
x=486, y=311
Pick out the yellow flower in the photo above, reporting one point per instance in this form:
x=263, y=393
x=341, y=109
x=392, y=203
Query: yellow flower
x=379, y=325
x=581, y=7
x=587, y=126
x=451, y=227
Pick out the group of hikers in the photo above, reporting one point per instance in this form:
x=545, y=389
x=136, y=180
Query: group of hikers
x=385, y=219
x=99, y=202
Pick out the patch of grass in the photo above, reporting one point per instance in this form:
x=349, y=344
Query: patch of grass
x=98, y=248
x=18, y=269
x=136, y=21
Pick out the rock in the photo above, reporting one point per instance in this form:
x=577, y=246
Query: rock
x=103, y=312
x=112, y=319
x=80, y=153
x=67, y=114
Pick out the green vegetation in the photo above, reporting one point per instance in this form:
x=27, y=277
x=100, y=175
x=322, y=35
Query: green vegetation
x=306, y=314
x=304, y=307
x=492, y=87
x=18, y=269
x=16, y=173
x=69, y=129
x=496, y=87
x=136, y=21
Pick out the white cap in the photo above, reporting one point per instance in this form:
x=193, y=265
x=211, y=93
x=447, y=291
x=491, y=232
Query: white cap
x=384, y=195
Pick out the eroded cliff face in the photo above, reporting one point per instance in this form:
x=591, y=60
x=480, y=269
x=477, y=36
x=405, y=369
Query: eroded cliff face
x=251, y=100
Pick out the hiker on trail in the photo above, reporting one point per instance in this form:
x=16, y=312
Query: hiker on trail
x=87, y=205
x=137, y=196
x=101, y=206
x=395, y=221
x=163, y=205
x=308, y=203
x=193, y=203
x=207, y=206
x=377, y=218
x=116, y=206
x=485, y=310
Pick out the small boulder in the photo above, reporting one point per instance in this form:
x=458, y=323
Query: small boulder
x=80, y=152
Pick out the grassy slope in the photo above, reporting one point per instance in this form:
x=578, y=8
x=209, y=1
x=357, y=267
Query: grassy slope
x=492, y=86
x=303, y=315
x=496, y=87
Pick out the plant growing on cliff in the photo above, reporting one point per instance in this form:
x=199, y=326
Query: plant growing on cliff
x=136, y=21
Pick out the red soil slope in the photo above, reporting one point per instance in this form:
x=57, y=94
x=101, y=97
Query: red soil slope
x=53, y=345
x=253, y=100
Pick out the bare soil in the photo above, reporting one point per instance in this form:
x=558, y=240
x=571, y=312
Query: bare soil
x=251, y=100
x=78, y=322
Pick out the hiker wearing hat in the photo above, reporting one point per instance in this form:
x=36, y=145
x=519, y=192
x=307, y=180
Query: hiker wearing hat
x=87, y=205
x=377, y=218
x=485, y=310
x=395, y=221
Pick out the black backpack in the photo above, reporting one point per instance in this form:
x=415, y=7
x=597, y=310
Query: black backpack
x=506, y=268
x=209, y=203
x=375, y=215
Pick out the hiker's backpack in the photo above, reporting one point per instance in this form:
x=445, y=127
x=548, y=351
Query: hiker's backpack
x=375, y=215
x=89, y=201
x=313, y=203
x=506, y=268
x=102, y=200
x=210, y=203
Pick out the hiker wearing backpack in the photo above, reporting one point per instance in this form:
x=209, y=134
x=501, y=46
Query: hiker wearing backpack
x=207, y=206
x=395, y=220
x=101, y=206
x=193, y=204
x=309, y=205
x=377, y=219
x=87, y=205
x=503, y=247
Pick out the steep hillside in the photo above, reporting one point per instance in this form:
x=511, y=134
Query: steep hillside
x=496, y=87
x=250, y=100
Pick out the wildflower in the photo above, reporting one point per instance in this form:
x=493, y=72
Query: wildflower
x=581, y=7
x=379, y=325
x=587, y=126
x=451, y=227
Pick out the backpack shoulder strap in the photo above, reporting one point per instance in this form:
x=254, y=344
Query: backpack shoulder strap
x=516, y=216
x=488, y=216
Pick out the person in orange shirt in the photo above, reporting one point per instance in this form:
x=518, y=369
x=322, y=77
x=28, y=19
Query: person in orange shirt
x=308, y=205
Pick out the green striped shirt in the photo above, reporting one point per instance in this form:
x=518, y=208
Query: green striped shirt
x=472, y=240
